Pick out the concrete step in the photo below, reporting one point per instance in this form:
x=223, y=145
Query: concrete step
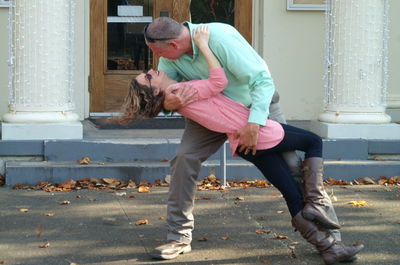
x=57, y=172
x=142, y=149
x=117, y=150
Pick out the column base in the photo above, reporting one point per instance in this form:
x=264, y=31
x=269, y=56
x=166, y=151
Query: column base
x=388, y=131
x=41, y=131
x=354, y=117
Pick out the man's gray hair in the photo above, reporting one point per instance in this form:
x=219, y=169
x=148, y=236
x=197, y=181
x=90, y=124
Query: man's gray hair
x=164, y=28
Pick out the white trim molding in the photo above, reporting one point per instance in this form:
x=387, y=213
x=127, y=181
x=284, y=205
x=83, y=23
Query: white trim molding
x=393, y=101
x=305, y=5
x=5, y=3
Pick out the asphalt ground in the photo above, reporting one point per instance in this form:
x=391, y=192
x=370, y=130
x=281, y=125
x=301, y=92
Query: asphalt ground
x=235, y=226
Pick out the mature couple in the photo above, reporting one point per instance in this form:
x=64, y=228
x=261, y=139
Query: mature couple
x=231, y=95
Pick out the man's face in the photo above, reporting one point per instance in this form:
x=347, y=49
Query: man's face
x=168, y=49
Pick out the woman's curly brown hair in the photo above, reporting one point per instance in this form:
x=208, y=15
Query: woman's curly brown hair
x=140, y=103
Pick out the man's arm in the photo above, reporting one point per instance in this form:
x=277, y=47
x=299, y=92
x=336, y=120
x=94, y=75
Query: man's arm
x=249, y=68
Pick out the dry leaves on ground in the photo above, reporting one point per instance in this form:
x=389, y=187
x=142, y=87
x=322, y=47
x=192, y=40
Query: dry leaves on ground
x=250, y=184
x=280, y=237
x=45, y=245
x=110, y=184
x=49, y=214
x=84, y=161
x=261, y=231
x=358, y=203
x=365, y=181
x=142, y=222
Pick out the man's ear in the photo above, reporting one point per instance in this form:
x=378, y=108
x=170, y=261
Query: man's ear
x=173, y=44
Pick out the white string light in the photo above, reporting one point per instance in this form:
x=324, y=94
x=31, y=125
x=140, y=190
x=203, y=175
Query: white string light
x=41, y=50
x=356, y=53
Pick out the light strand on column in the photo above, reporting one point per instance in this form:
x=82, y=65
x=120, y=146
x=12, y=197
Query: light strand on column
x=41, y=55
x=356, y=52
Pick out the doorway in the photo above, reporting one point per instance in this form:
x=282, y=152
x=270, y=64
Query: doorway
x=118, y=52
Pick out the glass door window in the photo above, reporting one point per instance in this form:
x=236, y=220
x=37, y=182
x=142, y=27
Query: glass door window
x=126, y=48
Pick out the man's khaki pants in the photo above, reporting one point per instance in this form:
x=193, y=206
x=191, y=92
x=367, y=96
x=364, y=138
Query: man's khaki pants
x=197, y=144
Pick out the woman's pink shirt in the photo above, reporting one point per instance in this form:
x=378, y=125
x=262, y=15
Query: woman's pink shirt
x=219, y=113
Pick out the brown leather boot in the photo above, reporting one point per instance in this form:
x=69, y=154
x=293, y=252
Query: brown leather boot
x=330, y=250
x=314, y=209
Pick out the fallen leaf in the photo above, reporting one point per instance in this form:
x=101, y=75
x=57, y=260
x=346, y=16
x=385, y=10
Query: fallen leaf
x=357, y=244
x=224, y=238
x=261, y=231
x=264, y=261
x=45, y=245
x=202, y=239
x=161, y=218
x=24, y=210
x=109, y=180
x=49, y=214
x=92, y=199
x=358, y=203
x=84, y=161
x=2, y=262
x=143, y=189
x=280, y=237
x=279, y=212
x=142, y=222
x=78, y=196
x=141, y=236
x=164, y=159
x=65, y=202
x=240, y=198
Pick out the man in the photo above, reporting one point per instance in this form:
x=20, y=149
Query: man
x=249, y=83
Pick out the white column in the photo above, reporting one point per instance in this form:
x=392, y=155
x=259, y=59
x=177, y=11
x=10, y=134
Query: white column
x=41, y=71
x=355, y=70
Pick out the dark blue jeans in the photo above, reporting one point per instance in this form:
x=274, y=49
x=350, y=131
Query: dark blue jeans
x=271, y=163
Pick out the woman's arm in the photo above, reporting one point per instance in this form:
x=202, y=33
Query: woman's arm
x=201, y=37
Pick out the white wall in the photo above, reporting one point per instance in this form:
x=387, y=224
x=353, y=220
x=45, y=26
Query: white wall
x=293, y=49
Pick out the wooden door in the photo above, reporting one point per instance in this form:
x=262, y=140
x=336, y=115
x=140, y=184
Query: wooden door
x=110, y=71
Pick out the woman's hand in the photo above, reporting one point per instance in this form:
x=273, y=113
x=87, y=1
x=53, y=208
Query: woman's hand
x=201, y=35
x=176, y=98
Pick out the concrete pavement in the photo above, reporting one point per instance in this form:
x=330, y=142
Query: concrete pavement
x=98, y=227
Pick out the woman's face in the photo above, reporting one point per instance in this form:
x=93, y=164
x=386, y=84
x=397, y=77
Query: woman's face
x=157, y=80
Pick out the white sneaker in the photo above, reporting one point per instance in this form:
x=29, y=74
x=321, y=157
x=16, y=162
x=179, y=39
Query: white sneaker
x=170, y=250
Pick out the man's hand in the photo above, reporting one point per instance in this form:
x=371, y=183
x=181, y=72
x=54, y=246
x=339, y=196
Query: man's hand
x=248, y=138
x=177, y=98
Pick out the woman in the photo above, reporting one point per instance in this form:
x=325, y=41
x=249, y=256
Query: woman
x=210, y=108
